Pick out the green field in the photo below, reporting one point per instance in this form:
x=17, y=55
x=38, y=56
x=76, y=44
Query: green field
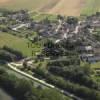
x=19, y=44
x=40, y=16
x=91, y=6
x=95, y=65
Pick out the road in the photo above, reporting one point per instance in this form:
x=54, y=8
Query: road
x=20, y=26
x=29, y=76
x=42, y=82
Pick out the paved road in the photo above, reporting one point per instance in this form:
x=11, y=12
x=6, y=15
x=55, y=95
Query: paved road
x=43, y=82
x=20, y=26
x=30, y=76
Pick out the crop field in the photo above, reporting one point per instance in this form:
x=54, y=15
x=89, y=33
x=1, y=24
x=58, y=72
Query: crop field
x=19, y=44
x=24, y=4
x=91, y=6
x=64, y=7
x=68, y=7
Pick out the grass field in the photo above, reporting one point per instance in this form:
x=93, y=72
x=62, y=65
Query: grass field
x=95, y=65
x=91, y=6
x=19, y=44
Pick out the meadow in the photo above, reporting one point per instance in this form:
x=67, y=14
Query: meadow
x=90, y=7
x=19, y=44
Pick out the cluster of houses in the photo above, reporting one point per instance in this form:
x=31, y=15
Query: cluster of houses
x=83, y=30
x=19, y=16
x=89, y=54
x=61, y=29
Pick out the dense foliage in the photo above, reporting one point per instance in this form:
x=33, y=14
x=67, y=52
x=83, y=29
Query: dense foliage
x=25, y=90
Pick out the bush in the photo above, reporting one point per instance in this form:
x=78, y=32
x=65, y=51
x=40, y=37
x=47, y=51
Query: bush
x=15, y=52
x=81, y=91
x=25, y=90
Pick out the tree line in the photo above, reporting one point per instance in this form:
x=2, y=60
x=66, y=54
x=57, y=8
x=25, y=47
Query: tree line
x=23, y=89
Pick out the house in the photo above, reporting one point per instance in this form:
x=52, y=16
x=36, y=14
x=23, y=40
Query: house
x=19, y=16
x=85, y=49
x=97, y=50
x=84, y=57
x=93, y=59
x=3, y=20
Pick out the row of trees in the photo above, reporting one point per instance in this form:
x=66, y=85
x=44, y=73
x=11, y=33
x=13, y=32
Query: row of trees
x=22, y=89
x=76, y=74
x=4, y=56
x=9, y=54
x=79, y=90
x=18, y=54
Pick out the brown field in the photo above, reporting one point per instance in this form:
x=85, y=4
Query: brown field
x=4, y=1
x=68, y=7
x=64, y=7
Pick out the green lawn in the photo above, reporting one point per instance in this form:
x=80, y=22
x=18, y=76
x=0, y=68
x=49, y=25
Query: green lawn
x=19, y=44
x=95, y=65
x=91, y=7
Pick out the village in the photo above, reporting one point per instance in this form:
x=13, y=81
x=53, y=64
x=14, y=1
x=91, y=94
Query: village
x=55, y=52
x=62, y=28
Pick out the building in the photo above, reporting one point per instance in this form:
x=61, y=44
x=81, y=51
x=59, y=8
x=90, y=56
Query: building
x=85, y=49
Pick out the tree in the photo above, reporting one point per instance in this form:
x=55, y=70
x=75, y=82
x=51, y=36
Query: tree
x=25, y=64
x=72, y=20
